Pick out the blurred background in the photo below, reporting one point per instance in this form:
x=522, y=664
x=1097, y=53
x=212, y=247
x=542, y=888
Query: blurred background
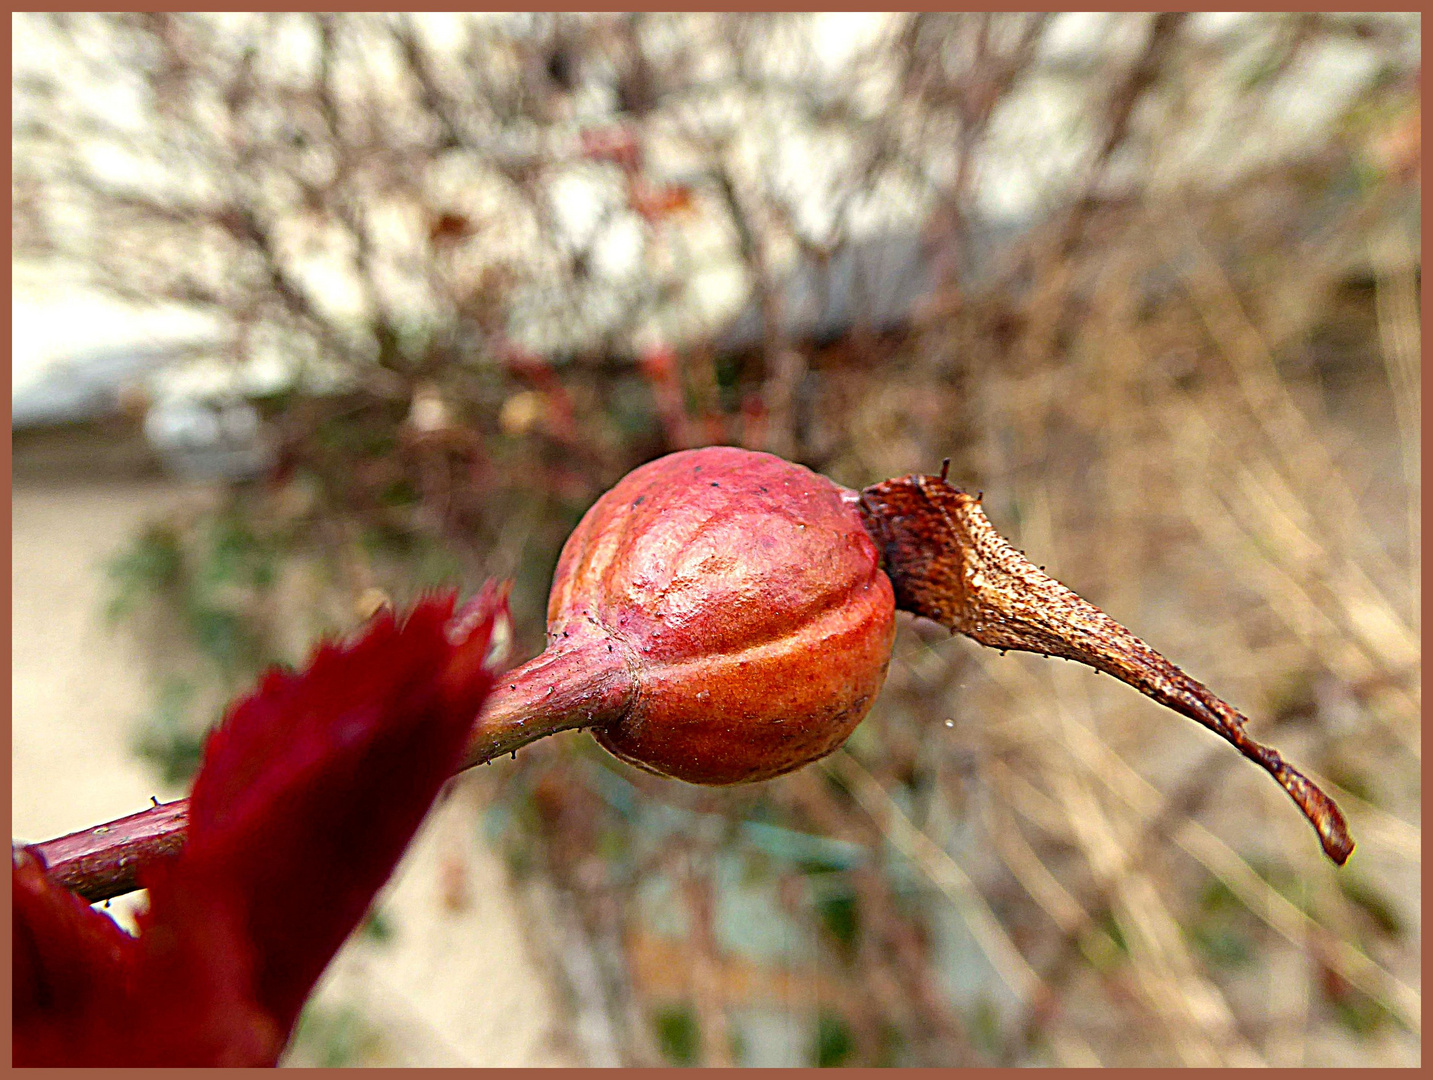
x=312, y=310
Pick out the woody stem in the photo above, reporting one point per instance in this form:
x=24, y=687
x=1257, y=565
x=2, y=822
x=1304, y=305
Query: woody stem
x=569, y=686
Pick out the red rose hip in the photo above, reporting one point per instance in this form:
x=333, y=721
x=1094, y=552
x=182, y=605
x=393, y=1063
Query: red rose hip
x=745, y=598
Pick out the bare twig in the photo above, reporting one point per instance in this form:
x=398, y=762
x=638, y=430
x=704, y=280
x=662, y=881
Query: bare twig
x=558, y=691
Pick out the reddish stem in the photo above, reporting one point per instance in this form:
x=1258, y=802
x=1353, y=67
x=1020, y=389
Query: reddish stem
x=102, y=862
x=572, y=685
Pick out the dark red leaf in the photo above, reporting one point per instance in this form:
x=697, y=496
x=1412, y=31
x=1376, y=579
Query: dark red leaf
x=312, y=787
x=196, y=1001
x=310, y=790
x=70, y=962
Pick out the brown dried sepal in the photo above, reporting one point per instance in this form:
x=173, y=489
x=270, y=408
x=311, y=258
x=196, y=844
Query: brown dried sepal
x=947, y=563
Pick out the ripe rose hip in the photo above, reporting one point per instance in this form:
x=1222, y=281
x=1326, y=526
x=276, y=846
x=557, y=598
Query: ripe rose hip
x=745, y=598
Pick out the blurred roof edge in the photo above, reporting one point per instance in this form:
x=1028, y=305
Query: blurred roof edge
x=91, y=384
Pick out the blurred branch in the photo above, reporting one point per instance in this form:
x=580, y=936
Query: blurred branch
x=1261, y=898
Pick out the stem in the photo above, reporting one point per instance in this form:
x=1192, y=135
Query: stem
x=947, y=563
x=574, y=684
x=104, y=861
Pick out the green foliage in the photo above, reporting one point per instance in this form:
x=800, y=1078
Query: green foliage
x=151, y=564
x=1216, y=896
x=332, y=1038
x=210, y=580
x=1357, y=1012
x=890, y=1047
x=727, y=370
x=1288, y=884
x=165, y=739
x=1220, y=928
x=1222, y=946
x=678, y=1034
x=840, y=914
x=236, y=555
x=1352, y=780
x=436, y=567
x=1369, y=899
x=222, y=635
x=400, y=492
x=1111, y=926
x=985, y=1028
x=376, y=927
x=834, y=1041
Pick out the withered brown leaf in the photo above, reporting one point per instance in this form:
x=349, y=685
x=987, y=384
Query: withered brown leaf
x=947, y=563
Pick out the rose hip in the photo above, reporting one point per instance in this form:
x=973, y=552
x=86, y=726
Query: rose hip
x=745, y=598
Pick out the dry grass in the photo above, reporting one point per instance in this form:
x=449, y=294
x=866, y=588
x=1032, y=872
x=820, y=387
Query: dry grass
x=1229, y=500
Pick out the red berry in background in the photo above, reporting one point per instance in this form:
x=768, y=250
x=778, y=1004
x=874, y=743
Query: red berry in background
x=617, y=145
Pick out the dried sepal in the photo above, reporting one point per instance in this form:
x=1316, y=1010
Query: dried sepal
x=947, y=563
